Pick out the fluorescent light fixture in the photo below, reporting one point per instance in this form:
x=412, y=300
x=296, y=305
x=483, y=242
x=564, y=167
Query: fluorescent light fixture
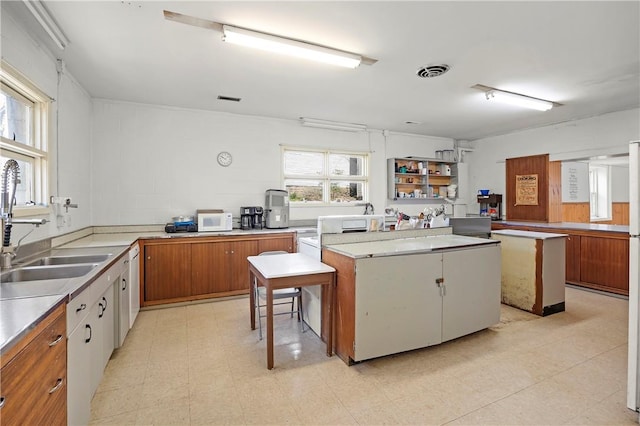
x=286, y=46
x=332, y=125
x=519, y=100
x=47, y=22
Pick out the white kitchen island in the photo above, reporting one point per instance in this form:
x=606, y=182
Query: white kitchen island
x=402, y=294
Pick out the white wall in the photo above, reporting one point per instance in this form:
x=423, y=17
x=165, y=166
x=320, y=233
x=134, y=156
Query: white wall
x=603, y=135
x=70, y=128
x=152, y=162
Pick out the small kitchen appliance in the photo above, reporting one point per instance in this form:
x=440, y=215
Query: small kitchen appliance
x=181, y=224
x=214, y=220
x=251, y=217
x=276, y=208
x=257, y=218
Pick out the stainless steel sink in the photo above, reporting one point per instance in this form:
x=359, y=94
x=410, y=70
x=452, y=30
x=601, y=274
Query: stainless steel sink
x=69, y=260
x=38, y=273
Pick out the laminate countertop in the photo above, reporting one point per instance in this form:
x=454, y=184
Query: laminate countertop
x=404, y=246
x=566, y=225
x=128, y=238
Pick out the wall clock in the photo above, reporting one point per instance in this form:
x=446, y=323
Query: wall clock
x=224, y=159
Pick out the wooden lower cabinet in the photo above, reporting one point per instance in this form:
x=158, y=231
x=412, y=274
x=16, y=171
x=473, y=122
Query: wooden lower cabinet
x=220, y=267
x=595, y=259
x=184, y=269
x=605, y=262
x=167, y=270
x=34, y=381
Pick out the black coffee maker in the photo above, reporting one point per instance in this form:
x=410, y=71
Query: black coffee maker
x=251, y=217
x=257, y=218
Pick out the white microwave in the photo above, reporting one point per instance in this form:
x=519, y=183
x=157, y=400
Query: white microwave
x=210, y=221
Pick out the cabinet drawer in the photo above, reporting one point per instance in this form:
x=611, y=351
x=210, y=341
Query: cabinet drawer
x=78, y=309
x=34, y=379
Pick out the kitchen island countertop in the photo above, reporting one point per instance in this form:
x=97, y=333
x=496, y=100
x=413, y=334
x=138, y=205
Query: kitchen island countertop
x=403, y=246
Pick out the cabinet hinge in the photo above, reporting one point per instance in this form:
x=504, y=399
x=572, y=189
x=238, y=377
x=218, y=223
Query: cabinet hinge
x=354, y=346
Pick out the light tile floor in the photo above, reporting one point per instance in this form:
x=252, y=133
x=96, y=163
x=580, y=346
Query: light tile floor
x=201, y=364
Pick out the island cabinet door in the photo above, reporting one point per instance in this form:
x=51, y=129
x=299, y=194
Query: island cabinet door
x=398, y=304
x=471, y=291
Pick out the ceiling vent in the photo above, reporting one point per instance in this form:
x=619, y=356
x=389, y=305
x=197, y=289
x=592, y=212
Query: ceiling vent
x=432, y=71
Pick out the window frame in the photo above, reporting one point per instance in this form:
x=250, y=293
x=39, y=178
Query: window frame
x=601, y=194
x=34, y=151
x=326, y=178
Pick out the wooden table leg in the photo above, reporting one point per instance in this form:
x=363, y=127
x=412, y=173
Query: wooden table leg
x=252, y=298
x=269, y=327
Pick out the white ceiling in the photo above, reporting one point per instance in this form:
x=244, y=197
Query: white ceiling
x=584, y=55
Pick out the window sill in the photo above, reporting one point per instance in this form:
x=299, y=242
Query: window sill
x=31, y=211
x=600, y=219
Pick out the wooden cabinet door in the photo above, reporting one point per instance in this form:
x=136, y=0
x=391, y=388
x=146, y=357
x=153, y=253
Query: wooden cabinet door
x=209, y=268
x=239, y=266
x=167, y=271
x=605, y=262
x=572, y=262
x=276, y=244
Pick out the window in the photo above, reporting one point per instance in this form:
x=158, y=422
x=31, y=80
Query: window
x=23, y=137
x=599, y=193
x=316, y=177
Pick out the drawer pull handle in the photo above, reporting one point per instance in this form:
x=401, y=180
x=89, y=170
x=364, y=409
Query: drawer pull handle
x=57, y=386
x=2, y=401
x=55, y=342
x=124, y=284
x=82, y=307
x=101, y=307
x=90, y=333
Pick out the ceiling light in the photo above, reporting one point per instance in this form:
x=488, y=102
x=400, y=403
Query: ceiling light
x=47, y=22
x=519, y=100
x=286, y=46
x=333, y=125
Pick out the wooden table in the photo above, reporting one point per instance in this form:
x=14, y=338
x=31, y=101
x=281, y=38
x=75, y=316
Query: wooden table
x=285, y=271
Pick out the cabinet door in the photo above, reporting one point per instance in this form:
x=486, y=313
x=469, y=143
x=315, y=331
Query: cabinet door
x=238, y=252
x=209, y=268
x=572, y=258
x=276, y=244
x=94, y=340
x=123, y=288
x=167, y=271
x=398, y=304
x=78, y=375
x=605, y=262
x=471, y=292
x=109, y=323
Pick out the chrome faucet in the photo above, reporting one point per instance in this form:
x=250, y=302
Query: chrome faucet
x=10, y=180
